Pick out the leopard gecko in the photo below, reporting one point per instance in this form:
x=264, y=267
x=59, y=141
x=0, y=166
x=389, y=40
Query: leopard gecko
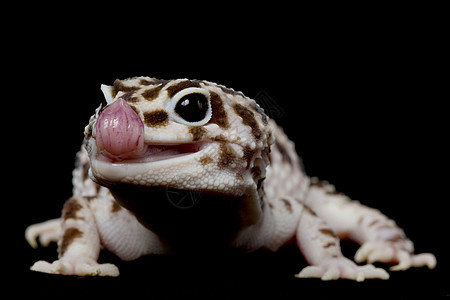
x=190, y=165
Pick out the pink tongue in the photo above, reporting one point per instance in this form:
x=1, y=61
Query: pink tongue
x=119, y=130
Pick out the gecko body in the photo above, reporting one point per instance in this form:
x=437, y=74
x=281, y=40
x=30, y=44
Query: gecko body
x=190, y=165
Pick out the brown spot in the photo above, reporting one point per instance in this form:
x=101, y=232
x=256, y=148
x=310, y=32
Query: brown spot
x=204, y=160
x=172, y=90
x=227, y=155
x=248, y=154
x=332, y=192
x=219, y=115
x=309, y=210
x=156, y=118
x=90, y=198
x=197, y=132
x=129, y=97
x=120, y=87
x=152, y=81
x=67, y=239
x=263, y=115
x=135, y=109
x=317, y=183
x=220, y=138
x=145, y=82
x=71, y=207
x=284, y=153
x=326, y=231
x=287, y=205
x=330, y=244
x=271, y=205
x=248, y=119
x=152, y=93
x=115, y=207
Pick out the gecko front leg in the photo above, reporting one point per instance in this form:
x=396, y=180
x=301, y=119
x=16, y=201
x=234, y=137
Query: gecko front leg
x=321, y=249
x=79, y=244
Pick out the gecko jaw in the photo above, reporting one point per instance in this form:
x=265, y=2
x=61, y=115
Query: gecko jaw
x=154, y=153
x=157, y=158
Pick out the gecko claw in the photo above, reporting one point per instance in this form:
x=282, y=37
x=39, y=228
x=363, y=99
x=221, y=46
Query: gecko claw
x=394, y=253
x=341, y=267
x=76, y=266
x=46, y=232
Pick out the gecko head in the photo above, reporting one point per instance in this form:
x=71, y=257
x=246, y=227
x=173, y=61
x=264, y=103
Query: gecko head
x=179, y=134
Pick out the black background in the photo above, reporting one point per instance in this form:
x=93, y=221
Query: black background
x=362, y=95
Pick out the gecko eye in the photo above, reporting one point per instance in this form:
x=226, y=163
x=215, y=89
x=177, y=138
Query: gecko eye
x=190, y=106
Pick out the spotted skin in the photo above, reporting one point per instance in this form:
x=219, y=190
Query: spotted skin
x=250, y=186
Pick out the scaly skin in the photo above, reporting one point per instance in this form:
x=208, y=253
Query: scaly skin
x=177, y=165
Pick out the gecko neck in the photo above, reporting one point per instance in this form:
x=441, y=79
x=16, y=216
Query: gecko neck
x=185, y=218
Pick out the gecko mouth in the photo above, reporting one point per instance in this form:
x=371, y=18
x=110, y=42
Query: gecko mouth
x=149, y=165
x=154, y=153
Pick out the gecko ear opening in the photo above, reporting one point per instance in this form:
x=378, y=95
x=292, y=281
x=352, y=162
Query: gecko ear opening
x=108, y=92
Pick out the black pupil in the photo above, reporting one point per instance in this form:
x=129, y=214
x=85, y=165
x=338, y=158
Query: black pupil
x=192, y=107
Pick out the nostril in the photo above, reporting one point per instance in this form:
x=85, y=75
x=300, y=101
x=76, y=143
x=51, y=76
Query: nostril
x=119, y=130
